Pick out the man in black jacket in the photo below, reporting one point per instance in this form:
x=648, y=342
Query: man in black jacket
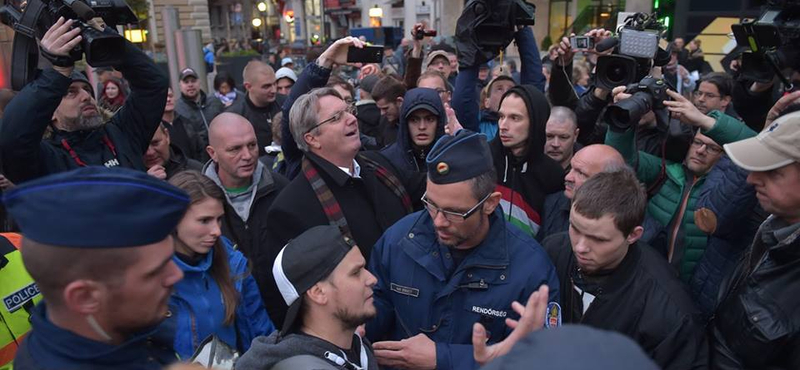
x=757, y=323
x=62, y=98
x=250, y=188
x=163, y=160
x=195, y=107
x=611, y=282
x=336, y=184
x=260, y=103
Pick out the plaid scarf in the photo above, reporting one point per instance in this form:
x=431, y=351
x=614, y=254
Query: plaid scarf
x=331, y=207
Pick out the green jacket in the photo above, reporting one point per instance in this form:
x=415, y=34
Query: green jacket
x=679, y=186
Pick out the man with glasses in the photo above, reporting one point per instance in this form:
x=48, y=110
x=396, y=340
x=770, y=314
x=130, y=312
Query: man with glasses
x=435, y=80
x=337, y=184
x=681, y=186
x=453, y=264
x=714, y=93
x=422, y=122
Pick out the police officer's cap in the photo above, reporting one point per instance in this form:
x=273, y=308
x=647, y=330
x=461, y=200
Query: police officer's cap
x=458, y=158
x=97, y=207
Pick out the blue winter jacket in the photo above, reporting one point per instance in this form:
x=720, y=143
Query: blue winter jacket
x=420, y=290
x=465, y=101
x=410, y=164
x=733, y=202
x=198, y=312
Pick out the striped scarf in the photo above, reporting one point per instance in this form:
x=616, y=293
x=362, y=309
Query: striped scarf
x=331, y=207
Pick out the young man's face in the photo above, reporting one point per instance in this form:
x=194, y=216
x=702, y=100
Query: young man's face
x=514, y=124
x=436, y=83
x=597, y=243
x=707, y=98
x=389, y=109
x=190, y=87
x=422, y=127
x=284, y=85
x=350, y=286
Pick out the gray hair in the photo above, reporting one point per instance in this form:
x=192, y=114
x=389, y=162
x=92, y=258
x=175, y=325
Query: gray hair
x=304, y=114
x=564, y=114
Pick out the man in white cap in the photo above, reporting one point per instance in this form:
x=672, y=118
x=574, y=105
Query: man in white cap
x=757, y=324
x=287, y=62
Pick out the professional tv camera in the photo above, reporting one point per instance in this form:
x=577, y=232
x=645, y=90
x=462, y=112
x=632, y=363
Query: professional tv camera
x=636, y=51
x=772, y=41
x=31, y=20
x=486, y=27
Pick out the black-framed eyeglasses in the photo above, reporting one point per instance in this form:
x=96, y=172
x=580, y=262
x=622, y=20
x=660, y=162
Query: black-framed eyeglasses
x=351, y=108
x=451, y=216
x=713, y=149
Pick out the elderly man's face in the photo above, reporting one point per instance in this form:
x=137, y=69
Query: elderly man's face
x=774, y=194
x=338, y=140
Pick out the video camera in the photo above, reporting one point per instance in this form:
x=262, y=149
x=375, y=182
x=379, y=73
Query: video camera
x=772, y=41
x=649, y=94
x=636, y=51
x=486, y=27
x=31, y=20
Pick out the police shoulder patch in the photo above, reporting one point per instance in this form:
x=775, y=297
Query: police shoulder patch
x=552, y=317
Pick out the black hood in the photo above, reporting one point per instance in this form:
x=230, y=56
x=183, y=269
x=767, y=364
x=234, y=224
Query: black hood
x=415, y=99
x=538, y=113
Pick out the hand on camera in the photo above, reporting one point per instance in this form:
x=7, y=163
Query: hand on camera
x=685, y=111
x=565, y=53
x=336, y=54
x=781, y=105
x=61, y=38
x=619, y=94
x=599, y=35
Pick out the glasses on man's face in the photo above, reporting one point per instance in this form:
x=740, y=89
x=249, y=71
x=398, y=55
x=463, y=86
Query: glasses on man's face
x=351, y=109
x=700, y=94
x=713, y=149
x=451, y=216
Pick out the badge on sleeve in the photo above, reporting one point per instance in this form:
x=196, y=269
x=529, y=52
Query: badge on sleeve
x=552, y=317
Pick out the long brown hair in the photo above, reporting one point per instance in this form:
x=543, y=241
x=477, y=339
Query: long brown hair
x=200, y=188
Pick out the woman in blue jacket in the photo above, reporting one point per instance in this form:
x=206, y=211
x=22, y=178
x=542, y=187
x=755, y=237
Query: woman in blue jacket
x=217, y=295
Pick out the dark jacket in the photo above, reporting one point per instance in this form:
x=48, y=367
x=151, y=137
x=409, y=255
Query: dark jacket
x=367, y=204
x=268, y=351
x=178, y=162
x=260, y=118
x=49, y=347
x=555, y=216
x=421, y=290
x=525, y=181
x=198, y=114
x=732, y=202
x=27, y=156
x=369, y=118
x=757, y=323
x=183, y=136
x=641, y=298
x=406, y=159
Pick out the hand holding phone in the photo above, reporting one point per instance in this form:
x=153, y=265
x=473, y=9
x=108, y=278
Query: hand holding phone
x=366, y=54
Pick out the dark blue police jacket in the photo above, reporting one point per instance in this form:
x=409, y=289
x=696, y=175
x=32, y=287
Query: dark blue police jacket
x=419, y=289
x=49, y=347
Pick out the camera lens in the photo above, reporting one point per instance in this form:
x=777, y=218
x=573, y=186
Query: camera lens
x=622, y=115
x=617, y=73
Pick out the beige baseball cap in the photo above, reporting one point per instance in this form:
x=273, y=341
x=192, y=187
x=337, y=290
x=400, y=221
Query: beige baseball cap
x=777, y=146
x=435, y=54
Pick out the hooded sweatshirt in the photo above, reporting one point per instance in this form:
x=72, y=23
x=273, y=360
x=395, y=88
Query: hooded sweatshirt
x=265, y=352
x=525, y=181
x=406, y=158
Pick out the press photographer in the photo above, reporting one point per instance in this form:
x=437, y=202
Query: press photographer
x=63, y=99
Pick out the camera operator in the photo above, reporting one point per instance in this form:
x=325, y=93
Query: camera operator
x=63, y=99
x=680, y=185
x=561, y=93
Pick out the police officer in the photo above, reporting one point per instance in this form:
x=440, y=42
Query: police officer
x=19, y=294
x=458, y=261
x=105, y=271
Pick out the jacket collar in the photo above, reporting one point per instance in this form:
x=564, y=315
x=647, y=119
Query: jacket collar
x=203, y=266
x=425, y=248
x=623, y=274
x=54, y=347
x=200, y=103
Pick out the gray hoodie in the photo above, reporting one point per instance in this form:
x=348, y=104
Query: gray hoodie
x=265, y=352
x=241, y=202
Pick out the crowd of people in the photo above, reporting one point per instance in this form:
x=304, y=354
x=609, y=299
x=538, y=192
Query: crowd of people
x=427, y=214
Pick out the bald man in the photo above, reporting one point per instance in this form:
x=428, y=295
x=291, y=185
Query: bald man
x=249, y=186
x=586, y=163
x=561, y=133
x=261, y=102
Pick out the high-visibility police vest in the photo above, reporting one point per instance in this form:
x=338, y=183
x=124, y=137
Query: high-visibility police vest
x=19, y=294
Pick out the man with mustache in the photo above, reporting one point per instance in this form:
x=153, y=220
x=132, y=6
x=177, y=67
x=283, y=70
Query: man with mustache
x=62, y=99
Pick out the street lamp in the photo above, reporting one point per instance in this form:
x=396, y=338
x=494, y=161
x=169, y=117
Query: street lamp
x=262, y=7
x=375, y=15
x=256, y=22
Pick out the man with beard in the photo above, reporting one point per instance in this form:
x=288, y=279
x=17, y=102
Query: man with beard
x=323, y=278
x=455, y=263
x=62, y=98
x=105, y=271
x=422, y=122
x=163, y=160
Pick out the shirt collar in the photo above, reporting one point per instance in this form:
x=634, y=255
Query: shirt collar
x=356, y=170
